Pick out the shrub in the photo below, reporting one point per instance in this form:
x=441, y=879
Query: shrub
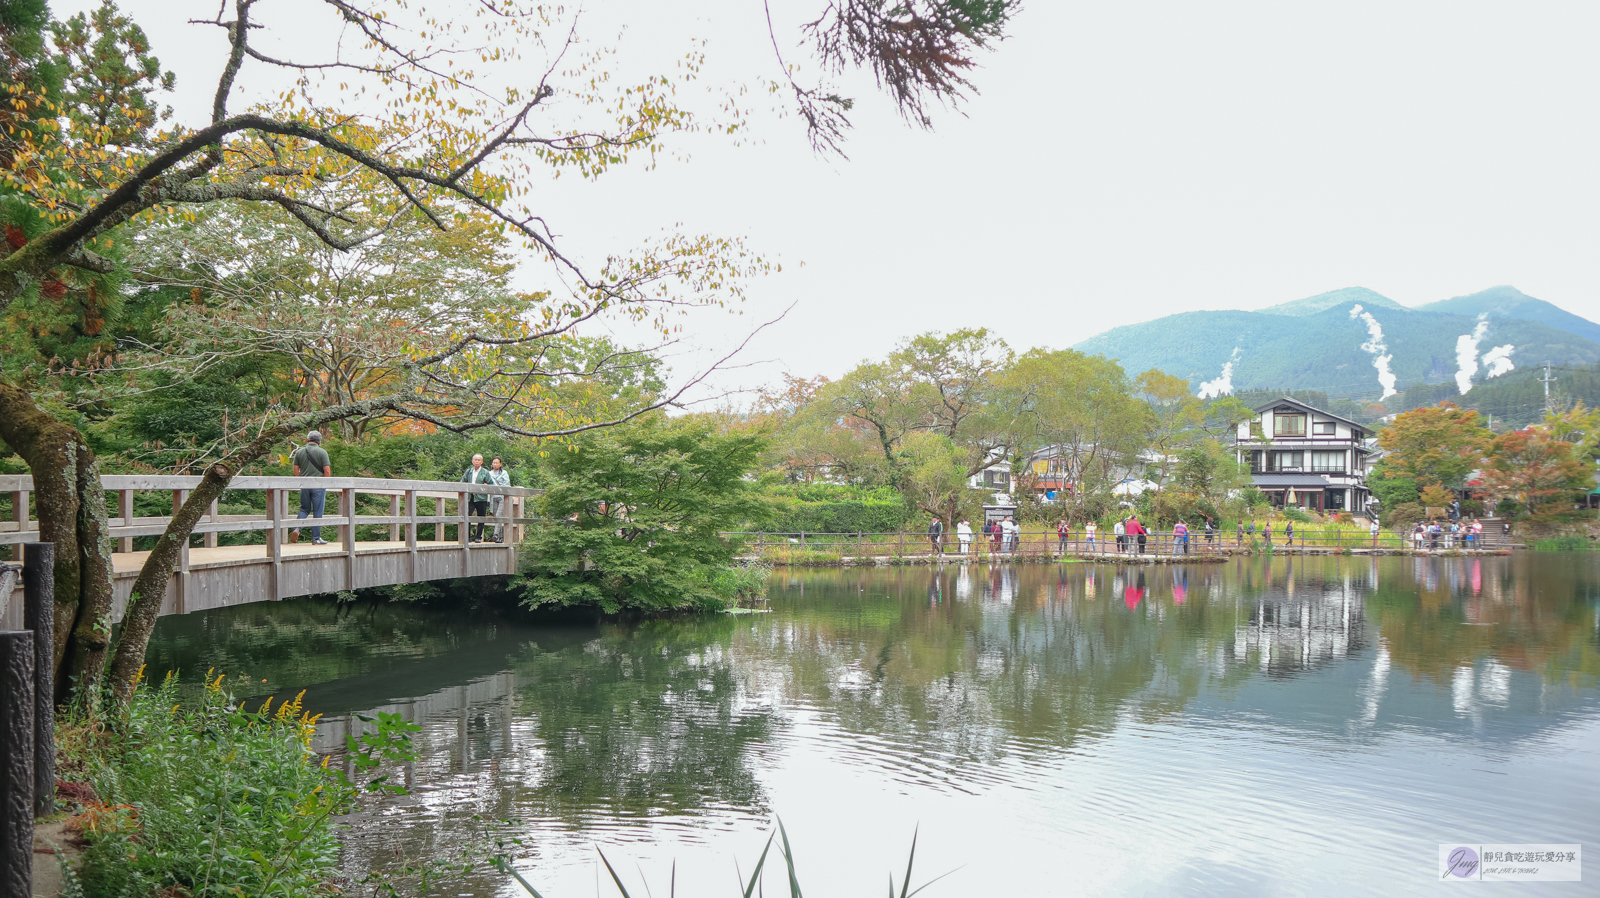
x=1564, y=544
x=215, y=800
x=1297, y=515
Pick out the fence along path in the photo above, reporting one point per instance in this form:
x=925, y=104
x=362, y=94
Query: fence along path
x=1310, y=540
x=211, y=575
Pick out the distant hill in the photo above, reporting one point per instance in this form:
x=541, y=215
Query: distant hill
x=1314, y=344
x=1509, y=302
x=1349, y=296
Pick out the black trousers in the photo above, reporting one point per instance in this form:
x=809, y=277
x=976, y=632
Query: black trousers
x=481, y=509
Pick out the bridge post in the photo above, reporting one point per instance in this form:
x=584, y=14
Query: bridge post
x=211, y=537
x=411, y=531
x=275, y=542
x=19, y=514
x=180, y=574
x=394, y=512
x=463, y=506
x=347, y=507
x=125, y=510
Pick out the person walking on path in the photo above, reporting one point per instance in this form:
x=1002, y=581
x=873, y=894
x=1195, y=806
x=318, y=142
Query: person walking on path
x=994, y=531
x=1062, y=533
x=477, y=503
x=1267, y=531
x=1288, y=534
x=1012, y=531
x=1238, y=535
x=1180, y=537
x=1120, y=528
x=1137, y=530
x=1211, y=533
x=936, y=535
x=964, y=536
x=1375, y=531
x=311, y=460
x=1477, y=533
x=499, y=476
x=1088, y=535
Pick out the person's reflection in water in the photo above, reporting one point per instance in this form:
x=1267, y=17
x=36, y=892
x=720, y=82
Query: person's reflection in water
x=1088, y=585
x=1135, y=592
x=1119, y=584
x=1180, y=586
x=935, y=589
x=963, y=584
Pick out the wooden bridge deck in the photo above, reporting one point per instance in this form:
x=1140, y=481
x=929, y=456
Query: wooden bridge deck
x=216, y=576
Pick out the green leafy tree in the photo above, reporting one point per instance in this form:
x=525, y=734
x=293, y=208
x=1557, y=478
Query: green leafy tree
x=634, y=518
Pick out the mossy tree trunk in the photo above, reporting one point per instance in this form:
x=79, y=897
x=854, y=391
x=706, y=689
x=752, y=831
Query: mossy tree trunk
x=72, y=514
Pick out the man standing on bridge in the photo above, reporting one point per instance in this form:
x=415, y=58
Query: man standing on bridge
x=477, y=503
x=311, y=460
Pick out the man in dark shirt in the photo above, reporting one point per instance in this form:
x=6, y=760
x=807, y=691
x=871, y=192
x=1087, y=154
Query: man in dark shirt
x=936, y=535
x=311, y=460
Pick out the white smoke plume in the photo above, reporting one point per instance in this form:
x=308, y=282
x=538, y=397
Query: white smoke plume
x=1222, y=386
x=1467, y=354
x=1498, y=360
x=1380, y=352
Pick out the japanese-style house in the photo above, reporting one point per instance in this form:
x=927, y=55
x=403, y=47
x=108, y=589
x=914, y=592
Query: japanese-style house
x=1305, y=457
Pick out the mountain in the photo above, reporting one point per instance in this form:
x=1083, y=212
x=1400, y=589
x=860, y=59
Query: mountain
x=1349, y=296
x=1315, y=344
x=1509, y=302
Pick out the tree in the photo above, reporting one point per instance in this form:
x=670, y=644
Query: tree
x=635, y=517
x=937, y=477
x=1079, y=412
x=1544, y=473
x=1175, y=420
x=1206, y=474
x=1437, y=445
x=434, y=136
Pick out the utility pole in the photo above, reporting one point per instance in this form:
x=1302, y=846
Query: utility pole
x=1547, y=379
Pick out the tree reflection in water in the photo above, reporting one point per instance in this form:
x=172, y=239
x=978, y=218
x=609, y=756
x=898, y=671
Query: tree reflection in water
x=945, y=681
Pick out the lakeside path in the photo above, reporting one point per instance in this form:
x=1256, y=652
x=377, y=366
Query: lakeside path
x=1216, y=555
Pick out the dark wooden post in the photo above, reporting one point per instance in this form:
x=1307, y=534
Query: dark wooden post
x=16, y=764
x=38, y=618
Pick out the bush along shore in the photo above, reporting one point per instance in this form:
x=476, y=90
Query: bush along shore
x=209, y=798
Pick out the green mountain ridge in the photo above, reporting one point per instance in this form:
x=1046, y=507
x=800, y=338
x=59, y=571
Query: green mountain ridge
x=1315, y=344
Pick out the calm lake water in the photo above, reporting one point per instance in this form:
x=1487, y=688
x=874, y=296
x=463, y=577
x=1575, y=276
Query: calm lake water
x=1307, y=726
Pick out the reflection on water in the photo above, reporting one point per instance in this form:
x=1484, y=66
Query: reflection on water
x=1289, y=726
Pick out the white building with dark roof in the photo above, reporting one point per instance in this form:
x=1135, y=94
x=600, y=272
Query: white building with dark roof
x=1305, y=457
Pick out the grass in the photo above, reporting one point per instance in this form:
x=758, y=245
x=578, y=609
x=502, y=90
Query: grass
x=750, y=888
x=1564, y=544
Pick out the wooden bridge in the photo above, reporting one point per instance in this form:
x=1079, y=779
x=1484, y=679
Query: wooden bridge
x=378, y=532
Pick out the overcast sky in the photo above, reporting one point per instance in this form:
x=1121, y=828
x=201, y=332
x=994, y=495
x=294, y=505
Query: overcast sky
x=1123, y=161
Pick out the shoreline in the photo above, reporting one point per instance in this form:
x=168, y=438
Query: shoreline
x=1213, y=556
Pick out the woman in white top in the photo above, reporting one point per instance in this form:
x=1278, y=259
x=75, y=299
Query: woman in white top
x=964, y=535
x=1088, y=530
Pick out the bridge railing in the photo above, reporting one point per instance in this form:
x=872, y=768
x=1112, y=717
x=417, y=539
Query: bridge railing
x=408, y=505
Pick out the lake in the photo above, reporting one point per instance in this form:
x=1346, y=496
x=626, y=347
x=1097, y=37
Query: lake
x=1268, y=726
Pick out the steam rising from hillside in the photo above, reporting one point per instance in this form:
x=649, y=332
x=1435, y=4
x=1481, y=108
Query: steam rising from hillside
x=1222, y=386
x=1467, y=354
x=1497, y=360
x=1379, y=351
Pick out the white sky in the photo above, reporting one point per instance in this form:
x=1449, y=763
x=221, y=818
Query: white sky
x=1123, y=161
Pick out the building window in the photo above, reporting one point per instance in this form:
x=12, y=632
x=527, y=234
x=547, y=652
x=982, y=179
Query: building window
x=997, y=479
x=1329, y=462
x=1289, y=461
x=1289, y=425
x=1323, y=429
